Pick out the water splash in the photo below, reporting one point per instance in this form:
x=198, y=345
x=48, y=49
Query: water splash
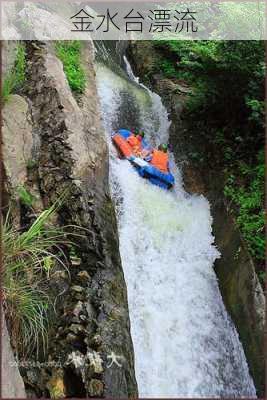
x=185, y=344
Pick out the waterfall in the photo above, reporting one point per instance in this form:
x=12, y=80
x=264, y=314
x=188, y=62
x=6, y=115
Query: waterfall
x=185, y=344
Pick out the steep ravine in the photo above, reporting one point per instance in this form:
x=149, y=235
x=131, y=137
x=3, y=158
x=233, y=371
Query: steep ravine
x=239, y=285
x=68, y=147
x=184, y=342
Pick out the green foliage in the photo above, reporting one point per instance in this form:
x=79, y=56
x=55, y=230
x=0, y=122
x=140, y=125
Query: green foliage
x=20, y=65
x=226, y=109
x=28, y=259
x=8, y=87
x=227, y=77
x=257, y=110
x=168, y=68
x=250, y=202
x=197, y=98
x=25, y=196
x=16, y=77
x=69, y=53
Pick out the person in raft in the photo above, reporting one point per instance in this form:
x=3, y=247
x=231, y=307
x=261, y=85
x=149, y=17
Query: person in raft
x=135, y=141
x=159, y=158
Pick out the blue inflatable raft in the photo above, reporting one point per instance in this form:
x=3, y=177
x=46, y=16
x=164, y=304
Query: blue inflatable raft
x=144, y=168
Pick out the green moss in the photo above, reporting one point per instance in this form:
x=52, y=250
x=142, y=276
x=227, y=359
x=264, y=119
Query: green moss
x=69, y=52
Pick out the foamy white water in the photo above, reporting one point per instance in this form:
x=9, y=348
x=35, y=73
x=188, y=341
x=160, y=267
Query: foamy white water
x=185, y=344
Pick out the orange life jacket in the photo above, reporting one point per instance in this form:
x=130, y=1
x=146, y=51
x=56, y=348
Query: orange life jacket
x=160, y=160
x=123, y=146
x=135, y=143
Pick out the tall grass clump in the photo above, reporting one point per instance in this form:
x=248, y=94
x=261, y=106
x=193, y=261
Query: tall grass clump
x=28, y=258
x=16, y=77
x=69, y=52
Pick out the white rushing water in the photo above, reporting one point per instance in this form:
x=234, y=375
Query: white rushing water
x=185, y=344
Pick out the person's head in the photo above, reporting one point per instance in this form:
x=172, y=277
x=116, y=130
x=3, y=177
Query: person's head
x=135, y=131
x=142, y=134
x=163, y=147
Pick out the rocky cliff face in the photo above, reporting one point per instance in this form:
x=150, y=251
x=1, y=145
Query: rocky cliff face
x=12, y=383
x=68, y=151
x=240, y=288
x=16, y=133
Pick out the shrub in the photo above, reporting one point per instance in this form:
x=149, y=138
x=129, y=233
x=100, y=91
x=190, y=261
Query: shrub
x=168, y=68
x=226, y=107
x=227, y=75
x=249, y=199
x=69, y=52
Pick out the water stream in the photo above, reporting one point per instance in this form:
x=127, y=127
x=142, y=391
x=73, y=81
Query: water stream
x=185, y=344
